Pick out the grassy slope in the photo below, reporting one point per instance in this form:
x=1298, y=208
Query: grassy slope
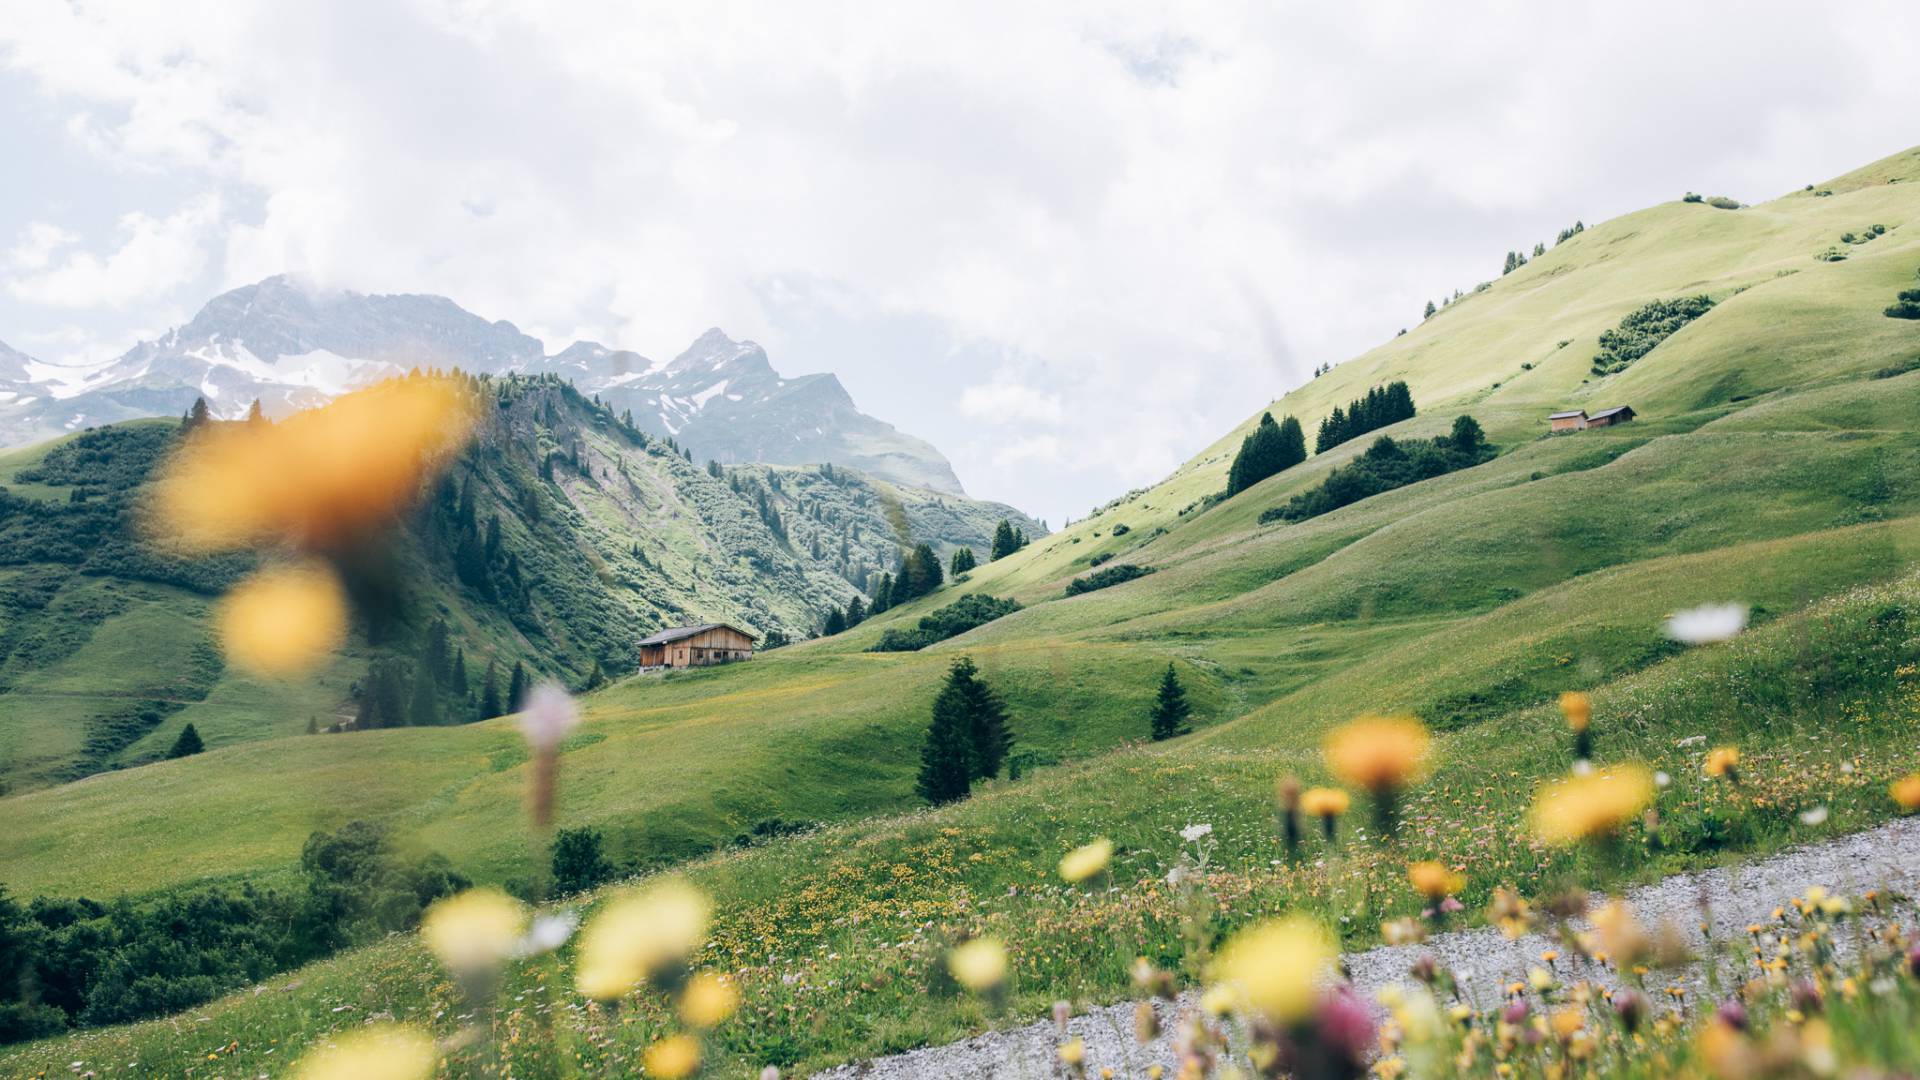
x=1471, y=598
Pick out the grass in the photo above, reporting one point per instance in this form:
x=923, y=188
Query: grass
x=1768, y=466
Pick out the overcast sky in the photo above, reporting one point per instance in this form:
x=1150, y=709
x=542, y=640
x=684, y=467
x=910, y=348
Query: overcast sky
x=1069, y=244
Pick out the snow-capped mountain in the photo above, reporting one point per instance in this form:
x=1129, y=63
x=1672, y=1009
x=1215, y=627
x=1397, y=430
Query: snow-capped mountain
x=290, y=347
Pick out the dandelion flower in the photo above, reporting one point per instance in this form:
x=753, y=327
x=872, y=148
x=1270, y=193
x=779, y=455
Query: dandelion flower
x=382, y=1052
x=1578, y=709
x=708, y=1000
x=1590, y=806
x=1277, y=967
x=283, y=621
x=638, y=935
x=1724, y=761
x=1378, y=753
x=475, y=931
x=979, y=965
x=1084, y=862
x=1325, y=802
x=1073, y=1051
x=1434, y=880
x=1906, y=792
x=318, y=479
x=673, y=1058
x=1707, y=624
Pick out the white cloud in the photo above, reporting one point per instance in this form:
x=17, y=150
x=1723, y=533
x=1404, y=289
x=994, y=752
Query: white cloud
x=1007, y=401
x=154, y=254
x=1166, y=214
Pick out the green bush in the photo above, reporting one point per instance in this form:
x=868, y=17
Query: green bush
x=1106, y=579
x=974, y=609
x=1641, y=331
x=1386, y=465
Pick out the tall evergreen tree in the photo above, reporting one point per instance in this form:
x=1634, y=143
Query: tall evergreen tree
x=836, y=623
x=596, y=678
x=988, y=738
x=198, y=415
x=946, y=757
x=458, y=680
x=856, y=613
x=436, y=654
x=1430, y=310
x=1293, y=443
x=187, y=744
x=882, y=594
x=963, y=561
x=490, y=693
x=919, y=574
x=1004, y=543
x=423, y=709
x=255, y=415
x=1170, y=708
x=517, y=686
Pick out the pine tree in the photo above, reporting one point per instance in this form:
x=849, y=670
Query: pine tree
x=1004, y=543
x=1293, y=443
x=1430, y=310
x=424, y=708
x=1467, y=436
x=187, y=744
x=255, y=415
x=882, y=595
x=435, y=655
x=458, y=680
x=988, y=740
x=945, y=758
x=919, y=574
x=856, y=613
x=596, y=678
x=836, y=623
x=313, y=725
x=197, y=416
x=490, y=693
x=963, y=561
x=1170, y=709
x=517, y=686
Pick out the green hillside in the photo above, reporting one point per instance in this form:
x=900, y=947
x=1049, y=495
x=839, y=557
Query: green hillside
x=603, y=535
x=1775, y=462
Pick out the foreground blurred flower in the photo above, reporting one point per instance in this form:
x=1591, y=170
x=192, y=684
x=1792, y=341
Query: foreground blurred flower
x=283, y=621
x=673, y=1058
x=1277, y=968
x=1084, y=862
x=320, y=479
x=1724, y=761
x=546, y=716
x=1578, y=709
x=979, y=965
x=1327, y=804
x=1707, y=624
x=1592, y=806
x=640, y=935
x=1380, y=754
x=1434, y=880
x=1906, y=792
x=382, y=1052
x=474, y=932
x=708, y=1000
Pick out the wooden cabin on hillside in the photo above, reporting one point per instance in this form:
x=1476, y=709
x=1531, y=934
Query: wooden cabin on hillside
x=1578, y=420
x=1619, y=414
x=1573, y=420
x=702, y=645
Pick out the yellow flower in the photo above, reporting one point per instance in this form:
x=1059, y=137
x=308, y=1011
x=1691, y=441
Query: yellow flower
x=1566, y=1021
x=1578, y=709
x=1906, y=792
x=1621, y=935
x=673, y=1058
x=474, y=931
x=979, y=965
x=637, y=934
x=1724, y=761
x=381, y=1052
x=317, y=479
x=1084, y=862
x=708, y=1000
x=1434, y=881
x=1597, y=804
x=1378, y=753
x=1277, y=967
x=1073, y=1051
x=1324, y=802
x=283, y=621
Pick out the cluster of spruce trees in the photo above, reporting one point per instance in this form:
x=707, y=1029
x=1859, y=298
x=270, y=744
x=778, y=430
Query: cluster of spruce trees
x=1270, y=448
x=1007, y=539
x=1381, y=406
x=437, y=689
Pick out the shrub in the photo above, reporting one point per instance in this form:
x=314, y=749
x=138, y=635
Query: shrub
x=974, y=609
x=578, y=864
x=1106, y=579
x=1387, y=465
x=1641, y=331
x=1832, y=254
x=1724, y=203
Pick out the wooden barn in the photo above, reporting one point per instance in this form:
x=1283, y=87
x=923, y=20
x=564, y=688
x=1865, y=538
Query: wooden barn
x=1619, y=414
x=1575, y=420
x=695, y=646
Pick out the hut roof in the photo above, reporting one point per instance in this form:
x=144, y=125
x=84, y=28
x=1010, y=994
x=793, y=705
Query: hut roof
x=677, y=633
x=1566, y=415
x=1615, y=411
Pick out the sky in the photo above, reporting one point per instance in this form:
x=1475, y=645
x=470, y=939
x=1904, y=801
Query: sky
x=1070, y=244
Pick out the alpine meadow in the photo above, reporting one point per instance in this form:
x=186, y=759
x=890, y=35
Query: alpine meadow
x=485, y=712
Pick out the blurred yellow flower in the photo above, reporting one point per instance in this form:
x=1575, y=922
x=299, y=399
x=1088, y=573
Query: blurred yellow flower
x=1324, y=802
x=637, y=934
x=1621, y=935
x=1434, y=880
x=1073, y=1051
x=316, y=479
x=284, y=620
x=1906, y=792
x=1379, y=753
x=474, y=931
x=1724, y=761
x=1277, y=967
x=381, y=1052
x=979, y=965
x=1597, y=804
x=708, y=1000
x=673, y=1058
x=1578, y=709
x=1084, y=862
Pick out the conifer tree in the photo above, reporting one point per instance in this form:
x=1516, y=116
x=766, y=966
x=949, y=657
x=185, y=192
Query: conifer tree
x=458, y=680
x=856, y=613
x=490, y=693
x=836, y=623
x=1170, y=708
x=423, y=710
x=596, y=678
x=255, y=415
x=988, y=740
x=1004, y=543
x=963, y=561
x=187, y=744
x=516, y=686
x=945, y=759
x=313, y=725
x=882, y=594
x=1430, y=310
x=198, y=415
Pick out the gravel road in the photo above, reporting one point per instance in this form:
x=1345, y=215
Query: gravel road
x=1483, y=959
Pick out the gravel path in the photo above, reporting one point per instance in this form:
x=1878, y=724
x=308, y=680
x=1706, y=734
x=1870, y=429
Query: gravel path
x=1483, y=959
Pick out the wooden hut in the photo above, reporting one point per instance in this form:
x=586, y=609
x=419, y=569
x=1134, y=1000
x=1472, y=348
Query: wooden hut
x=1568, y=421
x=701, y=645
x=1619, y=414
